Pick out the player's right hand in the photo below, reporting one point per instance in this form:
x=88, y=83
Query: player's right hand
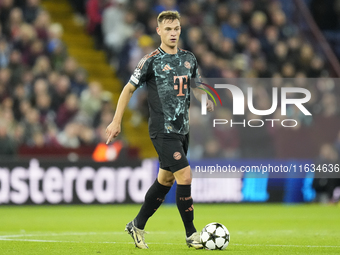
x=112, y=131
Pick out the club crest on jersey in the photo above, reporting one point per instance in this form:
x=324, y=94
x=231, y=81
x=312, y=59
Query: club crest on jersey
x=177, y=155
x=187, y=64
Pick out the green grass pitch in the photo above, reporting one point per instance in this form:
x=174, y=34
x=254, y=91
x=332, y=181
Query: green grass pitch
x=99, y=229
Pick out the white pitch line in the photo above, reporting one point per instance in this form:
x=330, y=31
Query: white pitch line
x=8, y=238
x=63, y=234
x=290, y=245
x=62, y=241
x=82, y=234
x=266, y=245
x=40, y=241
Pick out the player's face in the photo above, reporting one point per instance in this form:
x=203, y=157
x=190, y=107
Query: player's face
x=169, y=31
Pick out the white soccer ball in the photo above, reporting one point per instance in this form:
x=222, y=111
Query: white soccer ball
x=215, y=236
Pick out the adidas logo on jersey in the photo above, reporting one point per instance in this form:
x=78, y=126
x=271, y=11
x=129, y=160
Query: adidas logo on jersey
x=167, y=68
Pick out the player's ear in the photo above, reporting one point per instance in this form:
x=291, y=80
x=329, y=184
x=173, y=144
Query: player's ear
x=158, y=30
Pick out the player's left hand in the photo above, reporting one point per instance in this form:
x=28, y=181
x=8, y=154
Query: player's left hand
x=210, y=106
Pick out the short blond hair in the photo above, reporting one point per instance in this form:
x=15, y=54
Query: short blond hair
x=170, y=15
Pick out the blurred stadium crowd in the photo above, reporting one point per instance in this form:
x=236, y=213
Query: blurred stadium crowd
x=46, y=99
x=229, y=38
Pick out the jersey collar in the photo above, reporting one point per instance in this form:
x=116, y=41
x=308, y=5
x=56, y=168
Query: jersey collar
x=163, y=52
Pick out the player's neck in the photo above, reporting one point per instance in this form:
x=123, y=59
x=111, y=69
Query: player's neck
x=168, y=49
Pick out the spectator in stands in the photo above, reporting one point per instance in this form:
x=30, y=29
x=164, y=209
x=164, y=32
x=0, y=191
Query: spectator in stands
x=5, y=76
x=55, y=32
x=317, y=66
x=60, y=92
x=40, y=87
x=279, y=56
x=36, y=50
x=79, y=82
x=226, y=49
x=305, y=57
x=257, y=24
x=15, y=66
x=165, y=5
x=15, y=22
x=241, y=42
x=24, y=107
x=221, y=15
x=194, y=14
x=42, y=67
x=294, y=46
x=278, y=19
x=53, y=78
x=260, y=68
x=43, y=104
x=4, y=53
x=58, y=55
x=233, y=27
x=324, y=187
x=105, y=114
x=68, y=138
x=31, y=124
x=87, y=136
x=94, y=10
x=7, y=144
x=70, y=68
x=5, y=9
x=142, y=11
x=288, y=70
x=8, y=117
x=208, y=67
x=329, y=104
x=38, y=140
x=246, y=10
x=67, y=110
x=19, y=95
x=90, y=99
x=117, y=20
x=18, y=135
x=135, y=48
x=31, y=10
x=151, y=26
x=253, y=49
x=269, y=39
x=24, y=41
x=194, y=36
x=41, y=24
x=51, y=135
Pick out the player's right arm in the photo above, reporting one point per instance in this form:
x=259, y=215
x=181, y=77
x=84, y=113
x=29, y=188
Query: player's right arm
x=138, y=77
x=113, y=130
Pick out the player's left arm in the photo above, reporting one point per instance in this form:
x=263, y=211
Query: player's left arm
x=198, y=95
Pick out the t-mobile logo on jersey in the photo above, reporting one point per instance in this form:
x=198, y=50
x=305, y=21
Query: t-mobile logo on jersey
x=181, y=84
x=239, y=105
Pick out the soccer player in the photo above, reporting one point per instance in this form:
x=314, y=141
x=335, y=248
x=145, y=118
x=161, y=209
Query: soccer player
x=167, y=72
